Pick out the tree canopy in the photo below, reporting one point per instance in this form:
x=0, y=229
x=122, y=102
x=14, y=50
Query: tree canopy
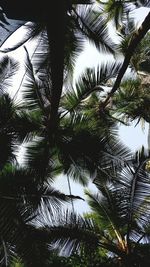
x=70, y=128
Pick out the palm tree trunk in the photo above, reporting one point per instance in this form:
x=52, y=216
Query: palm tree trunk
x=137, y=37
x=56, y=37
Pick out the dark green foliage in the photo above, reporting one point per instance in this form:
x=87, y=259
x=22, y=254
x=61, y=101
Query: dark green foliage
x=132, y=100
x=118, y=221
x=71, y=133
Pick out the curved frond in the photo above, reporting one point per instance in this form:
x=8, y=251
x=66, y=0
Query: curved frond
x=108, y=211
x=33, y=96
x=70, y=231
x=117, y=11
x=132, y=100
x=92, y=80
x=74, y=45
x=8, y=68
x=27, y=125
x=31, y=31
x=39, y=157
x=93, y=26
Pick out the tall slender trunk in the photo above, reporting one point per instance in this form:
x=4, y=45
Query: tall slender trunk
x=56, y=36
x=134, y=42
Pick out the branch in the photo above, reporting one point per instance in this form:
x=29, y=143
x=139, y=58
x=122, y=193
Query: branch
x=137, y=37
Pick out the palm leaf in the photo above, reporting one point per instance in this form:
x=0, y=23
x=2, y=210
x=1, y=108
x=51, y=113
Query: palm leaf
x=51, y=200
x=30, y=88
x=128, y=103
x=7, y=134
x=116, y=11
x=16, y=124
x=27, y=125
x=8, y=68
x=140, y=185
x=92, y=80
x=87, y=146
x=106, y=210
x=74, y=45
x=15, y=211
x=31, y=31
x=24, y=188
x=39, y=157
x=93, y=26
x=68, y=231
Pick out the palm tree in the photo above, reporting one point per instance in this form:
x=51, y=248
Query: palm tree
x=85, y=143
x=119, y=11
x=82, y=134
x=53, y=148
x=71, y=16
x=119, y=221
x=22, y=193
x=124, y=24
x=131, y=102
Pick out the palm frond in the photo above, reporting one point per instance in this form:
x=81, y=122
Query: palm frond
x=24, y=188
x=30, y=90
x=39, y=157
x=31, y=31
x=7, y=133
x=116, y=11
x=93, y=25
x=39, y=55
x=88, y=146
x=27, y=125
x=92, y=80
x=8, y=68
x=114, y=157
x=132, y=102
x=130, y=190
x=74, y=45
x=52, y=200
x=107, y=210
x=117, y=150
x=32, y=248
x=77, y=173
x=16, y=124
x=80, y=152
x=140, y=185
x=16, y=208
x=69, y=231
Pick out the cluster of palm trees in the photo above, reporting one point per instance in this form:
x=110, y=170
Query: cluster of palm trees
x=73, y=130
